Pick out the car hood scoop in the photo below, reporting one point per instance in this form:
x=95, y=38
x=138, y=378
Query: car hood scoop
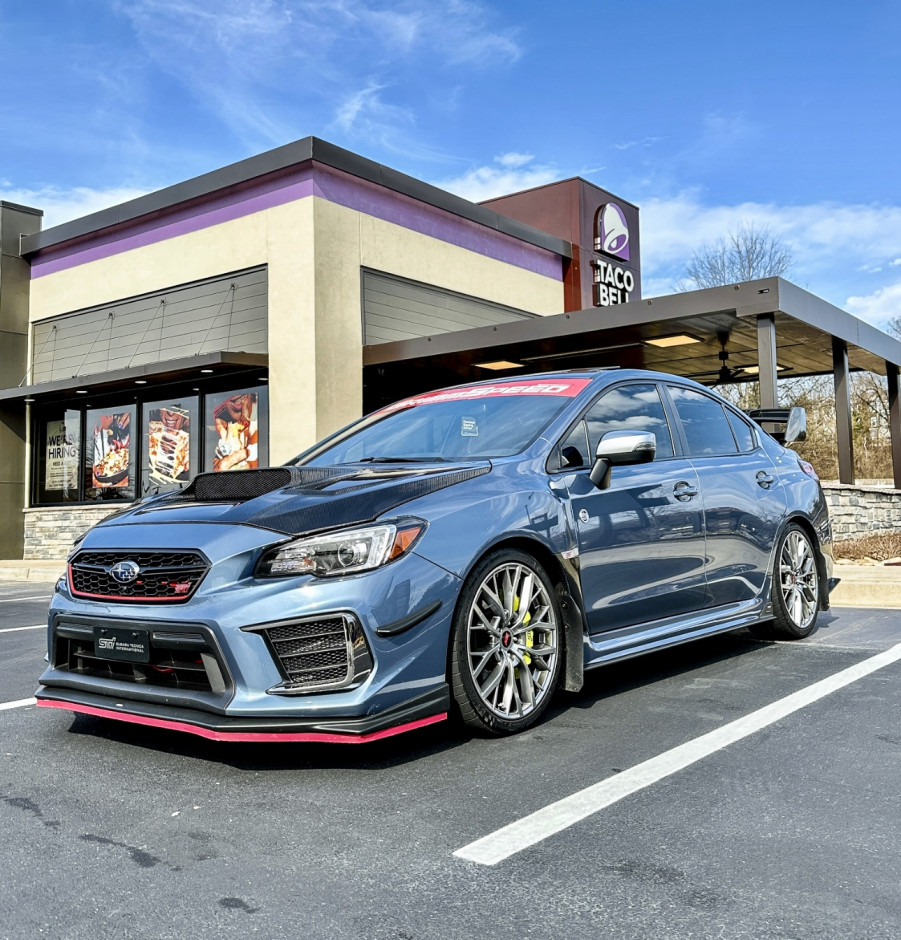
x=297, y=500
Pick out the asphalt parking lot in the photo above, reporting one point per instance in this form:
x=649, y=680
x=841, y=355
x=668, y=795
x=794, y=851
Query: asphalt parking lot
x=791, y=831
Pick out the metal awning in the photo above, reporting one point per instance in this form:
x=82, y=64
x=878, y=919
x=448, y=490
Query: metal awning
x=805, y=326
x=207, y=365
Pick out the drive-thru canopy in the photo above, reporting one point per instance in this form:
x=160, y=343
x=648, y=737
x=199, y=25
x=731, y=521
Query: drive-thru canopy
x=755, y=330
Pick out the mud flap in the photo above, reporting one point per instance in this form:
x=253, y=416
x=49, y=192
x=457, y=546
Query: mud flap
x=574, y=672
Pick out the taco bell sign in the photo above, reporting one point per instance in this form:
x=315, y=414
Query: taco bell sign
x=613, y=283
x=612, y=232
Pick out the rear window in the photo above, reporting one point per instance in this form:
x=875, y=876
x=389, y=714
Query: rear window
x=707, y=429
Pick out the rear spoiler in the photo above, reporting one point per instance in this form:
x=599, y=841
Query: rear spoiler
x=793, y=422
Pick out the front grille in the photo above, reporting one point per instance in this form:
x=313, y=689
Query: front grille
x=189, y=661
x=317, y=654
x=162, y=575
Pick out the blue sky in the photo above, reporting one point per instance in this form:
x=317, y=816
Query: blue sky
x=706, y=113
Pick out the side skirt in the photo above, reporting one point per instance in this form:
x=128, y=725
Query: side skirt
x=603, y=648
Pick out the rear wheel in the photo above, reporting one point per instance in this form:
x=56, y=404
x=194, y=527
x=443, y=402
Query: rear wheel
x=506, y=649
x=796, y=585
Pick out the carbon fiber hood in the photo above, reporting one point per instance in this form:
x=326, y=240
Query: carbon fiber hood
x=298, y=500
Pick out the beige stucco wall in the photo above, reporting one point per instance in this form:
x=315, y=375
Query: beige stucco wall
x=347, y=240
x=314, y=250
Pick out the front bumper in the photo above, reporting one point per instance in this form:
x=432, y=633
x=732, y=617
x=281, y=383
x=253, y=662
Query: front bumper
x=211, y=667
x=417, y=713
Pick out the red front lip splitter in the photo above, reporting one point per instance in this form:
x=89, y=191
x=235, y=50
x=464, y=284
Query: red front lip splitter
x=312, y=737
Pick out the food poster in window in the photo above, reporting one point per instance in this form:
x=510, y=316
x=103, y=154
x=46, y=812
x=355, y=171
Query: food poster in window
x=233, y=431
x=110, y=472
x=169, y=445
x=62, y=457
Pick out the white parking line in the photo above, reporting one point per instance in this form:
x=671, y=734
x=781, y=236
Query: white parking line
x=37, y=626
x=558, y=816
x=4, y=706
x=33, y=597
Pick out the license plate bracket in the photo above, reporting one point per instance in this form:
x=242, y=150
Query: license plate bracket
x=123, y=643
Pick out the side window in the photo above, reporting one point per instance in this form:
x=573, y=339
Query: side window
x=704, y=421
x=629, y=408
x=744, y=433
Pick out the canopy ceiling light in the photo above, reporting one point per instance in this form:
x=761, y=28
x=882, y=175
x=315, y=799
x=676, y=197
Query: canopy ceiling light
x=677, y=339
x=498, y=365
x=755, y=370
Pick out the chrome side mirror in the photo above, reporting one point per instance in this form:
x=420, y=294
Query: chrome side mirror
x=620, y=448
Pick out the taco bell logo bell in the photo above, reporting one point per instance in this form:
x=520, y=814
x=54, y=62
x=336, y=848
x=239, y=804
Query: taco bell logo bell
x=612, y=232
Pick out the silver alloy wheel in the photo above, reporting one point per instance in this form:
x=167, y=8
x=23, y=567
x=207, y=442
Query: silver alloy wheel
x=798, y=579
x=512, y=641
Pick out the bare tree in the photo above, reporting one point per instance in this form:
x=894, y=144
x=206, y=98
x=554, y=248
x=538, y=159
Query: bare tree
x=746, y=253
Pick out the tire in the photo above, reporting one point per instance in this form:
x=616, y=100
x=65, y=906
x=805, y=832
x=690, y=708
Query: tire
x=506, y=644
x=796, y=585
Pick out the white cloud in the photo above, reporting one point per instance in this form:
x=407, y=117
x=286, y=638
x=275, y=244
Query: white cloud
x=879, y=307
x=510, y=173
x=61, y=205
x=514, y=160
x=841, y=252
x=240, y=57
x=365, y=111
x=644, y=142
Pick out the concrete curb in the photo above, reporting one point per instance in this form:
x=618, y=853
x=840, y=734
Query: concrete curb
x=32, y=570
x=867, y=586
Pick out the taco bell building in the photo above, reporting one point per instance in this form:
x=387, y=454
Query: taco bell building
x=221, y=323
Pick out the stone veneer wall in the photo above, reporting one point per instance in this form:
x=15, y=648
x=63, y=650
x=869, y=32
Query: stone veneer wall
x=862, y=510
x=50, y=532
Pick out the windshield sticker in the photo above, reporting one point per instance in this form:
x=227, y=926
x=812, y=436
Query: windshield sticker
x=568, y=388
x=469, y=427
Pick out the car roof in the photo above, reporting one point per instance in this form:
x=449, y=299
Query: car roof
x=602, y=375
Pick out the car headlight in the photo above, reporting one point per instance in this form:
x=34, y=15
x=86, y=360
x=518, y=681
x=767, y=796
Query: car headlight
x=346, y=551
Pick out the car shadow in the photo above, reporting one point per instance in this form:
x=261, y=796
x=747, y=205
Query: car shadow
x=376, y=755
x=614, y=679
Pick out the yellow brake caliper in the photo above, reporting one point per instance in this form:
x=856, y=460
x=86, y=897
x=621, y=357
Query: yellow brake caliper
x=530, y=634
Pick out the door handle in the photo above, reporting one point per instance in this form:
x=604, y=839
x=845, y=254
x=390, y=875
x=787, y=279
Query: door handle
x=684, y=491
x=764, y=479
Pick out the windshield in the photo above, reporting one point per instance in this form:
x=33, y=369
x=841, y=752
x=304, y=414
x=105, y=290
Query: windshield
x=473, y=422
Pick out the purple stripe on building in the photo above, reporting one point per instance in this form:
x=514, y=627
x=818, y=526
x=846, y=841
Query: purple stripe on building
x=283, y=188
x=390, y=206
x=223, y=208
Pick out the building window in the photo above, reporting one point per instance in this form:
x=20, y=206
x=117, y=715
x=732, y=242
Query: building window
x=58, y=457
x=170, y=444
x=109, y=456
x=234, y=436
x=107, y=451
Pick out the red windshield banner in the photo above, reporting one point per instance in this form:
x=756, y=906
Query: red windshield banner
x=559, y=388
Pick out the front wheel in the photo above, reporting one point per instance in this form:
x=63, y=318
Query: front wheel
x=506, y=648
x=796, y=585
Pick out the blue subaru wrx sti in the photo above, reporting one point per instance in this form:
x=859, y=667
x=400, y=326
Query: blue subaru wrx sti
x=469, y=549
